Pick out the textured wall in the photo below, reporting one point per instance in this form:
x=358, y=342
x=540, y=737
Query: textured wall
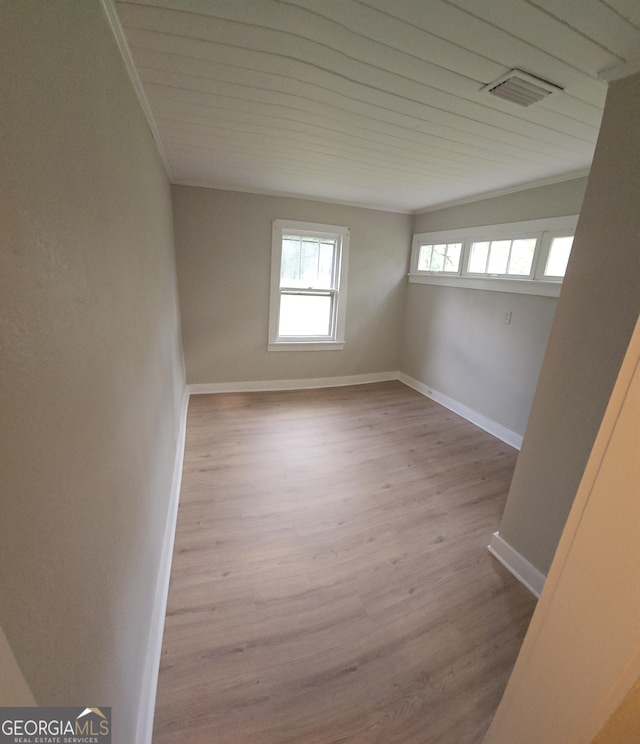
x=223, y=247
x=91, y=377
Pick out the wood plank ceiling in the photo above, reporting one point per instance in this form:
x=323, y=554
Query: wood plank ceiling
x=374, y=102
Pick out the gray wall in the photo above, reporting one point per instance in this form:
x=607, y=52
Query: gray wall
x=554, y=200
x=597, y=311
x=223, y=248
x=455, y=340
x=91, y=378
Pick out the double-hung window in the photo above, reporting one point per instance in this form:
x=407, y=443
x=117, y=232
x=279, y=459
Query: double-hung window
x=308, y=286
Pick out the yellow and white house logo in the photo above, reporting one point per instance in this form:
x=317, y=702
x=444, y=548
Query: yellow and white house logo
x=39, y=725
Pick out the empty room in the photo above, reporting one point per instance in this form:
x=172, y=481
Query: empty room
x=319, y=370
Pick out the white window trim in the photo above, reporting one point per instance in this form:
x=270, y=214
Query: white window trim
x=482, y=238
x=543, y=255
x=436, y=273
x=317, y=230
x=536, y=284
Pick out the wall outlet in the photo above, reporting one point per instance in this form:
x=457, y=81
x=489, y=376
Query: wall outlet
x=507, y=317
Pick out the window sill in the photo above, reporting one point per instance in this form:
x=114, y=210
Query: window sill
x=306, y=346
x=515, y=286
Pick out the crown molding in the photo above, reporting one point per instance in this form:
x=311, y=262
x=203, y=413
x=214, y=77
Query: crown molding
x=288, y=195
x=118, y=33
x=505, y=192
x=620, y=71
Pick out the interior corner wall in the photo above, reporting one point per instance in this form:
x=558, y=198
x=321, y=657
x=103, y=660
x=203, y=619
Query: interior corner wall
x=14, y=690
x=597, y=311
x=223, y=248
x=455, y=340
x=91, y=372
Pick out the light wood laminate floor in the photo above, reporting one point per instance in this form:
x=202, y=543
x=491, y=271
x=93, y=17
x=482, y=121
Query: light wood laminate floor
x=330, y=580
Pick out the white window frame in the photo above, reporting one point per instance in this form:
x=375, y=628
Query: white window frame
x=444, y=272
x=543, y=230
x=484, y=238
x=335, y=341
x=547, y=240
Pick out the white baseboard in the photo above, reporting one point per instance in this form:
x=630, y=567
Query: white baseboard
x=146, y=710
x=268, y=385
x=492, y=427
x=518, y=565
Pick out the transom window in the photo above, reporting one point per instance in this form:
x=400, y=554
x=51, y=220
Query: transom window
x=529, y=257
x=502, y=257
x=558, y=256
x=308, y=285
x=440, y=258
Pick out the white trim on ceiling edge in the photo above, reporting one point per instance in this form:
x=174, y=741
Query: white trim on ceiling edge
x=118, y=32
x=149, y=686
x=620, y=71
x=290, y=195
x=526, y=573
x=574, y=175
x=505, y=192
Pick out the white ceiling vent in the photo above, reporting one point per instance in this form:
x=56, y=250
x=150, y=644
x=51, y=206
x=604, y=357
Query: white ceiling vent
x=521, y=88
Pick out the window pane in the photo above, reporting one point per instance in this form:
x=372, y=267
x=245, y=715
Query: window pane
x=325, y=265
x=307, y=262
x=478, y=258
x=424, y=258
x=290, y=264
x=305, y=315
x=558, y=256
x=440, y=257
x=437, y=257
x=452, y=261
x=498, y=256
x=521, y=257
